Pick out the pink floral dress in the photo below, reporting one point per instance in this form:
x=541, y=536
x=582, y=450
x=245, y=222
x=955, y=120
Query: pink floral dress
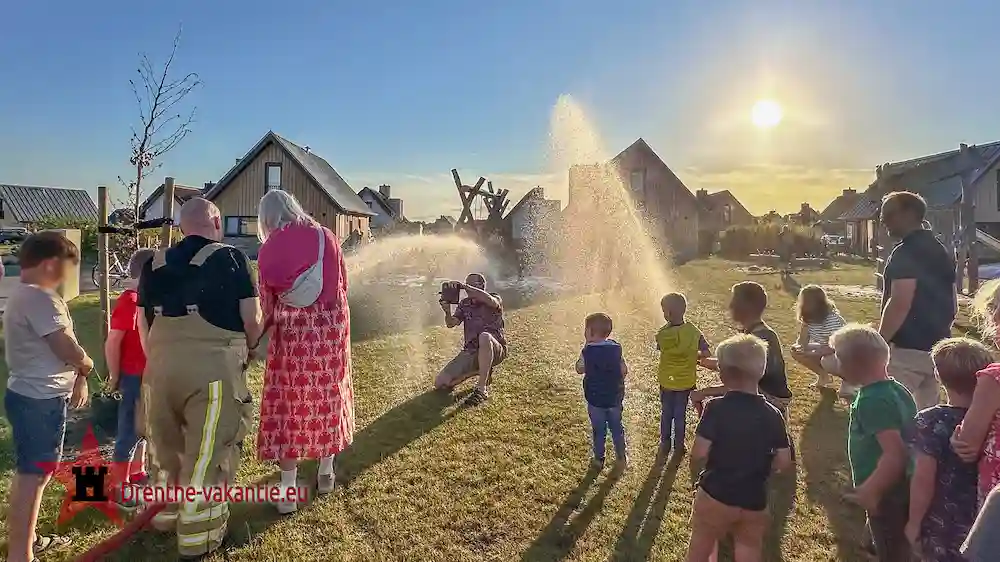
x=307, y=408
x=989, y=462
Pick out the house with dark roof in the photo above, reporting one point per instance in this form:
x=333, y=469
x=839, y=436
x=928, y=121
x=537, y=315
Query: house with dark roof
x=669, y=208
x=840, y=205
x=23, y=205
x=941, y=179
x=152, y=207
x=388, y=210
x=277, y=163
x=720, y=210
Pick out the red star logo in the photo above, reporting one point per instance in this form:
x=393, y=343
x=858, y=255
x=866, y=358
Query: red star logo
x=90, y=481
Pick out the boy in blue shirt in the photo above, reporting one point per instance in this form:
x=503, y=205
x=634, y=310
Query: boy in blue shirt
x=603, y=368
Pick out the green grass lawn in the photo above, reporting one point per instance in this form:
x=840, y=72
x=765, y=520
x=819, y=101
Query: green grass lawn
x=428, y=480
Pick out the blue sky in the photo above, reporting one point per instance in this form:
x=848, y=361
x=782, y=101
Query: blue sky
x=402, y=92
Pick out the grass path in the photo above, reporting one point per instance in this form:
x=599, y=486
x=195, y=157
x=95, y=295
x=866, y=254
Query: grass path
x=508, y=481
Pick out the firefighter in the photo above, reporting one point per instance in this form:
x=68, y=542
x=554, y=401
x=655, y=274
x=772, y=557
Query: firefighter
x=200, y=326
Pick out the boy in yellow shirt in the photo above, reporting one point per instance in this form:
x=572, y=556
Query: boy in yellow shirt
x=681, y=344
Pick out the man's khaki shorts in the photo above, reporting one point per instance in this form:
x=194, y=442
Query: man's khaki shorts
x=465, y=365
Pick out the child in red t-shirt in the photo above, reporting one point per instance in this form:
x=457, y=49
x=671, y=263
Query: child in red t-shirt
x=126, y=360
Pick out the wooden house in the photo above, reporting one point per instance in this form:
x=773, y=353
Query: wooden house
x=277, y=163
x=669, y=209
x=962, y=190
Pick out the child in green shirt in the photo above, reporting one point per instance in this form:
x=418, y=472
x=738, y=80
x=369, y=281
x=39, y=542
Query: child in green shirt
x=881, y=415
x=681, y=344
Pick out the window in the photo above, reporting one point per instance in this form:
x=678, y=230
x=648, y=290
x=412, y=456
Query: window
x=637, y=182
x=998, y=189
x=272, y=173
x=241, y=226
x=727, y=214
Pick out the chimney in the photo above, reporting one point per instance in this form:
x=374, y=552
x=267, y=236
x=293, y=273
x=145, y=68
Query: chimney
x=963, y=148
x=208, y=186
x=702, y=193
x=849, y=191
x=385, y=190
x=396, y=205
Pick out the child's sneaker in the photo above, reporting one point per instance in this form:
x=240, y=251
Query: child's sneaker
x=621, y=465
x=128, y=501
x=477, y=397
x=596, y=464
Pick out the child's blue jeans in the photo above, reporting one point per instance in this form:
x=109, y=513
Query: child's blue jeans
x=127, y=439
x=601, y=421
x=673, y=414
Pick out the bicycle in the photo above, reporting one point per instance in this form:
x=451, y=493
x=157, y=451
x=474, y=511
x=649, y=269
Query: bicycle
x=117, y=274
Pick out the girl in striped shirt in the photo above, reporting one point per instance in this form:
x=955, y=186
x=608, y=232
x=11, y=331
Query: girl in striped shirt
x=819, y=319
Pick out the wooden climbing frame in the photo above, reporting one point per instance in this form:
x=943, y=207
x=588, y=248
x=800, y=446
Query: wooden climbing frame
x=496, y=203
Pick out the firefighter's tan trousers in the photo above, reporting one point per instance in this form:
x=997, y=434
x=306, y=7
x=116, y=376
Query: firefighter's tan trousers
x=198, y=411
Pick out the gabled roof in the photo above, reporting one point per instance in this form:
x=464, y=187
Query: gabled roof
x=641, y=145
x=938, y=178
x=382, y=201
x=181, y=194
x=723, y=197
x=32, y=204
x=840, y=205
x=319, y=170
x=533, y=193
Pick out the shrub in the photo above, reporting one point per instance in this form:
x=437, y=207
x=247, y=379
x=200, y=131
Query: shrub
x=740, y=241
x=88, y=231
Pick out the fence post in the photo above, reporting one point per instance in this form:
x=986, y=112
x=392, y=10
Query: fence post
x=168, y=211
x=102, y=260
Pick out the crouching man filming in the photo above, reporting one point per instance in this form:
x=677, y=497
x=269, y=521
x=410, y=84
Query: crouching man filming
x=481, y=314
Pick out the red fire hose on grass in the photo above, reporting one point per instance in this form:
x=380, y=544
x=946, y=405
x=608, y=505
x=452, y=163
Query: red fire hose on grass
x=114, y=542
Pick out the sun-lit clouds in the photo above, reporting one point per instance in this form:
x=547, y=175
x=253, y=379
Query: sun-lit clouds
x=428, y=196
x=762, y=188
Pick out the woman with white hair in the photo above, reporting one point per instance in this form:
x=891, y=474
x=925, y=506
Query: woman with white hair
x=307, y=408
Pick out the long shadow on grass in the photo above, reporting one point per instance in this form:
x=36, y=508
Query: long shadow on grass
x=822, y=449
x=381, y=439
x=394, y=430
x=780, y=502
x=559, y=537
x=643, y=523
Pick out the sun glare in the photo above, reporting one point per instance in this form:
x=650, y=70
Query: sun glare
x=766, y=114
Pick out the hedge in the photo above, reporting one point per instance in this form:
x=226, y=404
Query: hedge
x=740, y=241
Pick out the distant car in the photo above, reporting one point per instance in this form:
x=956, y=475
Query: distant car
x=13, y=235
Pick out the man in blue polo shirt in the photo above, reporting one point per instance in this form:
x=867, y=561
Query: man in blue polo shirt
x=919, y=296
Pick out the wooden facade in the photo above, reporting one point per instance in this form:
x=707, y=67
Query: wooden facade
x=272, y=165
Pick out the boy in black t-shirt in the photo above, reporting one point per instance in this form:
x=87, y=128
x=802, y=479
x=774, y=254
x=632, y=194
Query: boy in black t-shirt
x=742, y=439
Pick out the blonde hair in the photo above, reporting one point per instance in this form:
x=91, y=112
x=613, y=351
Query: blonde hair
x=856, y=343
x=816, y=292
x=674, y=302
x=957, y=360
x=984, y=307
x=744, y=353
x=278, y=209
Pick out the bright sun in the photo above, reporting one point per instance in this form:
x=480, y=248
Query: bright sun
x=766, y=114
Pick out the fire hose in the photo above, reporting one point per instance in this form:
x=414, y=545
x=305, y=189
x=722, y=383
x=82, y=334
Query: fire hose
x=116, y=541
